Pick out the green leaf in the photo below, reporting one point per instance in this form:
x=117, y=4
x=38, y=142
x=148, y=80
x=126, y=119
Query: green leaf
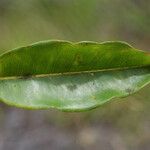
x=71, y=76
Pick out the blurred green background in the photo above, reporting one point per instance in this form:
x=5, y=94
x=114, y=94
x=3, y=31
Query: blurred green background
x=118, y=125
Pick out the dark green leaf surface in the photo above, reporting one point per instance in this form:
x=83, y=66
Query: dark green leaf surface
x=71, y=76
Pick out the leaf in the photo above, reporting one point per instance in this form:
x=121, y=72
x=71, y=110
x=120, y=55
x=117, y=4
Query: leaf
x=71, y=76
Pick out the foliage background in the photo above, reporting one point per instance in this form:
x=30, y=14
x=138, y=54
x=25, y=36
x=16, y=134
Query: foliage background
x=119, y=125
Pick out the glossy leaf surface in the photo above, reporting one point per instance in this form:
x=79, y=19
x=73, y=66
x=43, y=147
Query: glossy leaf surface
x=71, y=76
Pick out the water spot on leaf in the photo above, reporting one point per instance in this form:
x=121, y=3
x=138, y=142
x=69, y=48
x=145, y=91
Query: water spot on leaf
x=72, y=87
x=129, y=91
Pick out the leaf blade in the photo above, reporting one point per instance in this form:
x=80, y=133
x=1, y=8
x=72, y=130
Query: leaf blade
x=76, y=92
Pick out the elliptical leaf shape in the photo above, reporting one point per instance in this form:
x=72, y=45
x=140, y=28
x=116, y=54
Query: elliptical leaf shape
x=71, y=76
